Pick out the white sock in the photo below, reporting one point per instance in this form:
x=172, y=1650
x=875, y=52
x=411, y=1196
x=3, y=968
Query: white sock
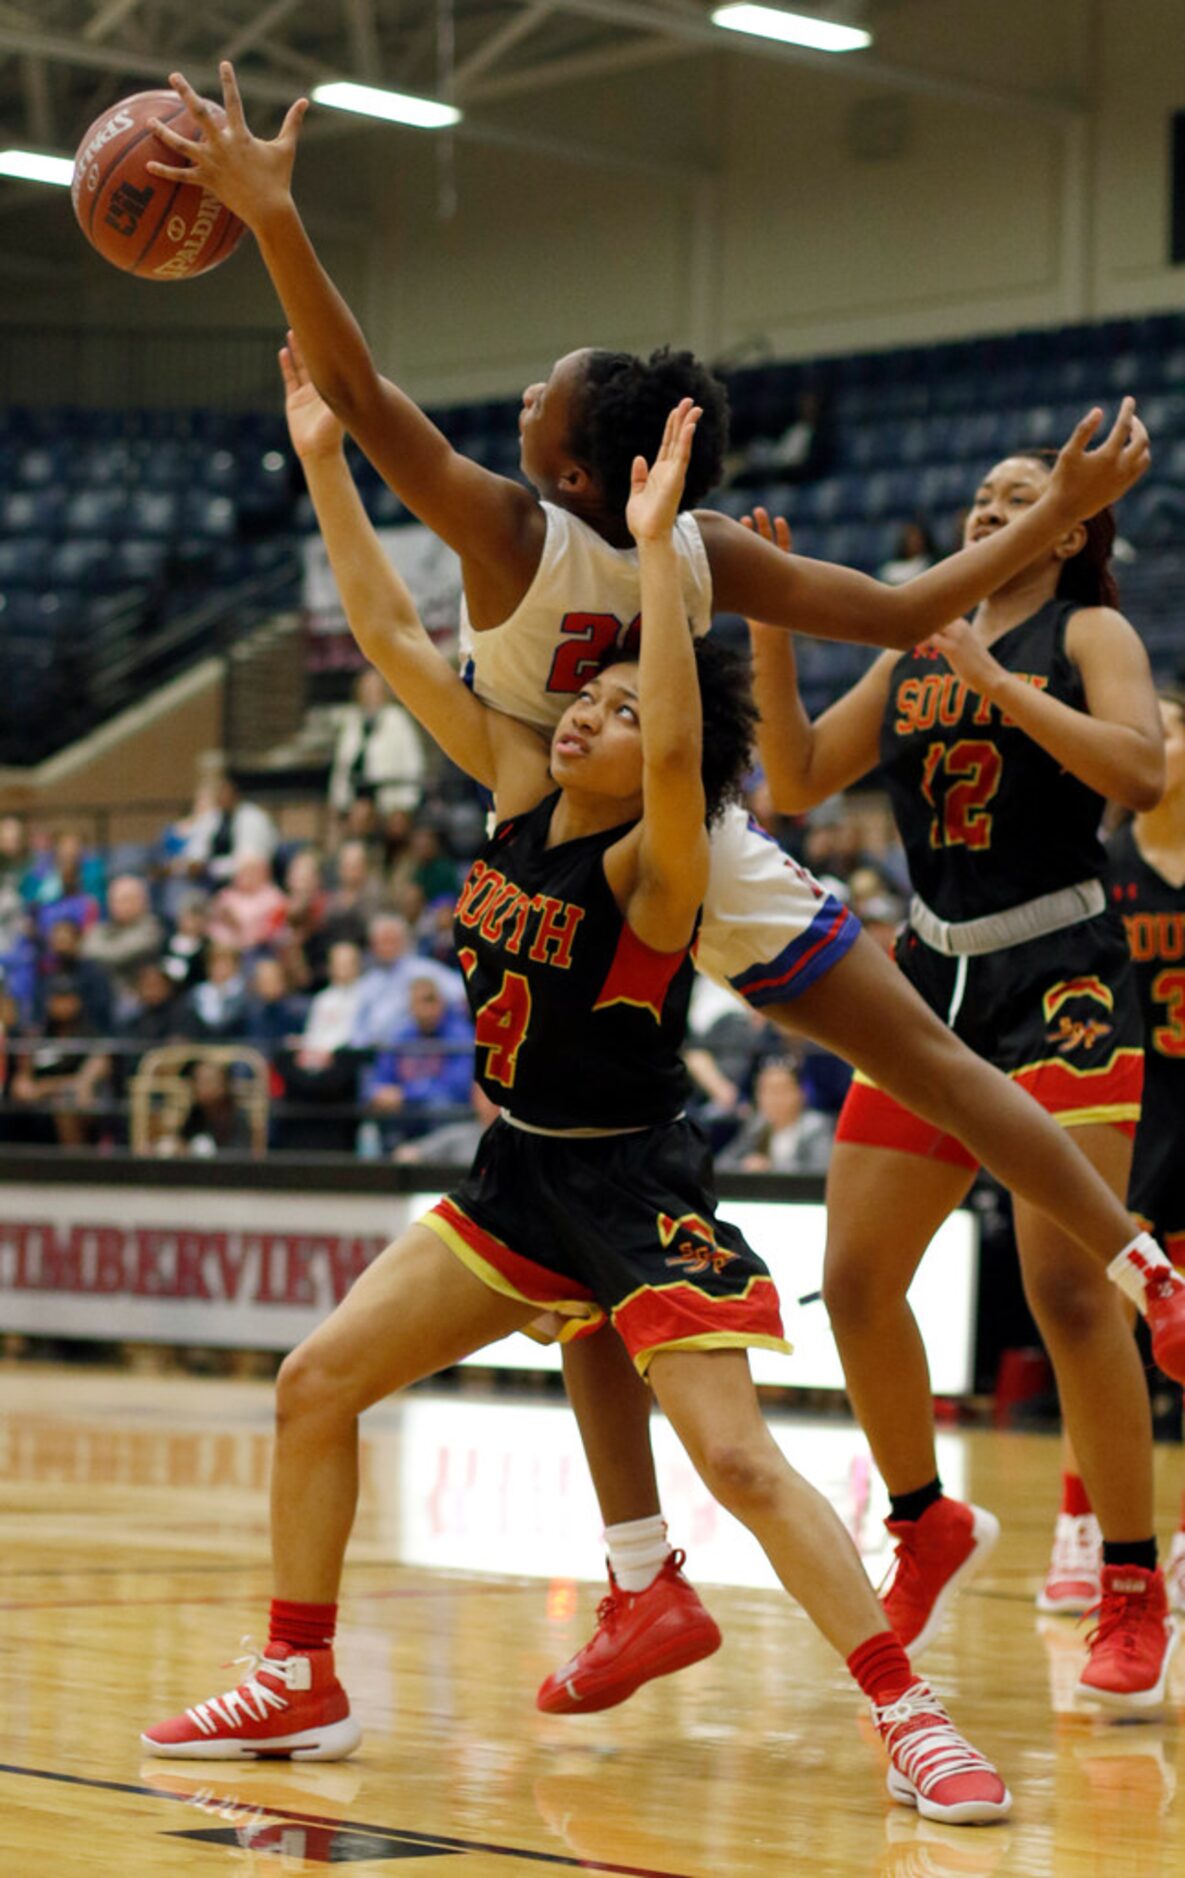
x=638, y=1550
x=1139, y=1261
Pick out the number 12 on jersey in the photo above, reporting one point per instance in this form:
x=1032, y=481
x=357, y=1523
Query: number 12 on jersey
x=971, y=769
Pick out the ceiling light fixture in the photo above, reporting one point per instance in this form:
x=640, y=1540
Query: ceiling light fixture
x=397, y=107
x=32, y=166
x=795, y=29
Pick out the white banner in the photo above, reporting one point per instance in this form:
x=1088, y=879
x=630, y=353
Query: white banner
x=432, y=572
x=244, y=1269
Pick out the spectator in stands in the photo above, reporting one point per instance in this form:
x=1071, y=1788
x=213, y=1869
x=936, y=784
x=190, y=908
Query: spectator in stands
x=357, y=897
x=302, y=943
x=70, y=887
x=425, y=865
x=216, y=1009
x=216, y=1123
x=412, y=1080
x=249, y=912
x=274, y=1016
x=378, y=752
x=184, y=956
x=59, y=1079
x=453, y=1144
x=782, y=1135
x=13, y=868
x=130, y=935
x=384, y=996
x=226, y=833
x=62, y=956
x=724, y=1060
x=914, y=553
x=323, y=1069
x=158, y=1015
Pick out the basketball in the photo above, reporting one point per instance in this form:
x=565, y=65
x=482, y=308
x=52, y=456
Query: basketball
x=149, y=227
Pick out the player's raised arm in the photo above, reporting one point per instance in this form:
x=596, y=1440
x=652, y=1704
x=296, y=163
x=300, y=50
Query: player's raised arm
x=479, y=514
x=750, y=576
x=381, y=612
x=806, y=760
x=673, y=847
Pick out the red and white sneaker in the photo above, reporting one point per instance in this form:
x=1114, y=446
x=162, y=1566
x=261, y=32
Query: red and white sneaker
x=935, y=1554
x=1174, y=1574
x=1145, y=1275
x=289, y=1705
x=639, y=1635
x=932, y=1767
x=1129, y=1650
x=1072, y=1583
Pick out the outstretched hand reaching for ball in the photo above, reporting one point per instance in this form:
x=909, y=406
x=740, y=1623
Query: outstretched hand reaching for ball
x=655, y=491
x=249, y=174
x=314, y=430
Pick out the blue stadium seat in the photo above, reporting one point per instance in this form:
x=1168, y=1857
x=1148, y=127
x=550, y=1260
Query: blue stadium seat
x=96, y=511
x=24, y=561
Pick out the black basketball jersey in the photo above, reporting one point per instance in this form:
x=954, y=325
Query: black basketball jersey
x=987, y=818
x=578, y=1024
x=1154, y=914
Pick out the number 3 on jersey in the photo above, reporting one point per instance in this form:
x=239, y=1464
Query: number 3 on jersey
x=500, y=1026
x=971, y=769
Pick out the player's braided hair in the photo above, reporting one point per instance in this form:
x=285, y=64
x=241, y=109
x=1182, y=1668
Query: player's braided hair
x=1087, y=577
x=730, y=719
x=623, y=410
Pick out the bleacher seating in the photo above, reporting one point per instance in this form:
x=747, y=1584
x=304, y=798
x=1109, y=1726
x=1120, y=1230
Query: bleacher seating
x=97, y=503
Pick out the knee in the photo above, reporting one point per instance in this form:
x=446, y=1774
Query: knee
x=1071, y=1302
x=304, y=1387
x=857, y=1294
x=742, y=1477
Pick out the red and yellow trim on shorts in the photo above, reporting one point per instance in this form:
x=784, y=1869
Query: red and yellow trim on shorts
x=679, y=1316
x=1075, y=1098
x=492, y=1260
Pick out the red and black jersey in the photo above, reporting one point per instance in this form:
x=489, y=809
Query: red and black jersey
x=578, y=1024
x=987, y=818
x=1154, y=914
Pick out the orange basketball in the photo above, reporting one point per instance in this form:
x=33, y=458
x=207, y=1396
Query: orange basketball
x=156, y=229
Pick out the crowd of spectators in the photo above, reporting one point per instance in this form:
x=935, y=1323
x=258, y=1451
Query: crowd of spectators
x=334, y=962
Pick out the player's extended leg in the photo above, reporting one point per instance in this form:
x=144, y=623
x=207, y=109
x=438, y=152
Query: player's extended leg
x=1107, y=1415
x=883, y=1209
x=416, y=1310
x=865, y=1010
x=652, y=1621
x=711, y=1402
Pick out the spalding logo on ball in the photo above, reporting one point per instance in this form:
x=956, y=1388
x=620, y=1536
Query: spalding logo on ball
x=155, y=229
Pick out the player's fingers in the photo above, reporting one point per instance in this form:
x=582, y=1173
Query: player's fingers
x=199, y=107
x=1085, y=429
x=761, y=523
x=639, y=473
x=288, y=371
x=1119, y=430
x=174, y=139
x=231, y=96
x=172, y=174
x=293, y=119
x=297, y=356
x=782, y=533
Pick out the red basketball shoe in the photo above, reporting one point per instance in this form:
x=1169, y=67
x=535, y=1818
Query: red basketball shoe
x=1165, y=1310
x=1072, y=1583
x=289, y=1705
x=639, y=1635
x=1129, y=1650
x=932, y=1767
x=935, y=1554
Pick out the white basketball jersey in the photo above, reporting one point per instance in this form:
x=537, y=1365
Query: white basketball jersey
x=582, y=603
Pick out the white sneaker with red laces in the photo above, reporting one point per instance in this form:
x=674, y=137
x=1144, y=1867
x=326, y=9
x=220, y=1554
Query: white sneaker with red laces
x=932, y=1767
x=289, y=1705
x=1072, y=1583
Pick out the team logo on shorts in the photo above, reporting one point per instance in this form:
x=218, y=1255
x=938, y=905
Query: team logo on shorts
x=1077, y=1032
x=694, y=1240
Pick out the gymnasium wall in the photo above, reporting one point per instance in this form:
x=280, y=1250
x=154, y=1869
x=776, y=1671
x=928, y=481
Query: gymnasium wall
x=756, y=208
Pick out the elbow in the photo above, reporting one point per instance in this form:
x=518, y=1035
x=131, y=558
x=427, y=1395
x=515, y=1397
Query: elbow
x=1143, y=793
x=793, y=794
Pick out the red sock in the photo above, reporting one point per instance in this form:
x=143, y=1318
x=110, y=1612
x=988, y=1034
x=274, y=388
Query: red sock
x=882, y=1669
x=1075, y=1498
x=301, y=1626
